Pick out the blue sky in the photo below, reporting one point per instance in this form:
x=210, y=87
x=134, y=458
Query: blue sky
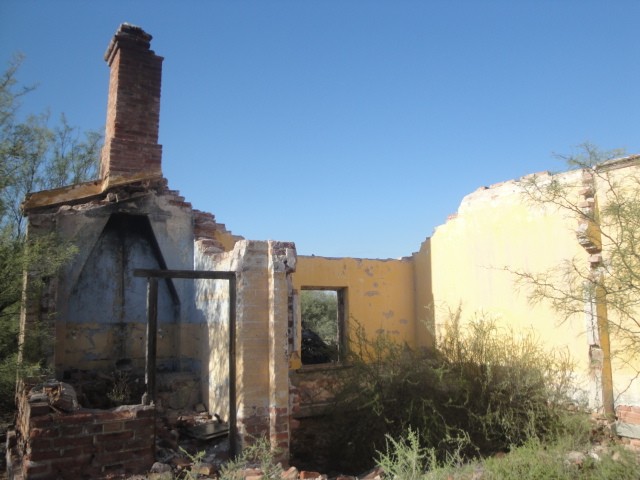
x=353, y=128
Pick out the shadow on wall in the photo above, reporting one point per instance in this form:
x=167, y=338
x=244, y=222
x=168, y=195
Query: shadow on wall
x=106, y=320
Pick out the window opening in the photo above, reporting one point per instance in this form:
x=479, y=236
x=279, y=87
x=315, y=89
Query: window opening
x=322, y=313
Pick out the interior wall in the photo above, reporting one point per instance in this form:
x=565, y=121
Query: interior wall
x=211, y=332
x=99, y=316
x=107, y=309
x=380, y=294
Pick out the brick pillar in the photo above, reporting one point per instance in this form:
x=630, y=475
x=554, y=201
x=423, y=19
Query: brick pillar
x=282, y=261
x=131, y=146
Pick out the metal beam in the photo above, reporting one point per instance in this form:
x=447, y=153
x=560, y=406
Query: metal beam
x=152, y=340
x=188, y=274
x=152, y=327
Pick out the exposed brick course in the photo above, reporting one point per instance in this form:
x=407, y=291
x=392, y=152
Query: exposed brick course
x=133, y=109
x=628, y=414
x=96, y=443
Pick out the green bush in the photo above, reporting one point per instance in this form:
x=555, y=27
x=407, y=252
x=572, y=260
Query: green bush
x=484, y=390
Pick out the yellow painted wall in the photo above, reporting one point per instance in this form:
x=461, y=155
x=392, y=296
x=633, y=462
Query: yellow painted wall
x=380, y=293
x=227, y=239
x=625, y=177
x=470, y=262
x=496, y=228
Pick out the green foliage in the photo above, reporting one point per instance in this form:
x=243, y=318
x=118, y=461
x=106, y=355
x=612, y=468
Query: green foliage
x=319, y=310
x=406, y=458
x=196, y=461
x=486, y=390
x=258, y=455
x=320, y=336
x=120, y=393
x=33, y=156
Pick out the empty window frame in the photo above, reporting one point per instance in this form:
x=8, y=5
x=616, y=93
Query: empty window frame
x=322, y=312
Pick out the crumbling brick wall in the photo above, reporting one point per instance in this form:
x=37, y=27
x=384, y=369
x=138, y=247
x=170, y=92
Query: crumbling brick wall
x=83, y=443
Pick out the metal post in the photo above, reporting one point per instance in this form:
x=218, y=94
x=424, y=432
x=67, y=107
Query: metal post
x=233, y=414
x=152, y=330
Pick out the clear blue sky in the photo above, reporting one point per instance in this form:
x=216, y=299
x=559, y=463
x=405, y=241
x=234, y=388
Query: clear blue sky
x=350, y=127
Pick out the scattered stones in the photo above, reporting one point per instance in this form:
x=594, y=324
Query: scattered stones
x=204, y=468
x=181, y=462
x=252, y=474
x=574, y=458
x=158, y=476
x=158, y=467
x=305, y=475
x=375, y=474
x=290, y=474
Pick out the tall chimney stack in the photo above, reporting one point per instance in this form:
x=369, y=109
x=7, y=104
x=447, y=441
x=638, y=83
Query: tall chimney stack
x=131, y=148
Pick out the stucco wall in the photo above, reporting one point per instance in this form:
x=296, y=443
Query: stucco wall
x=497, y=231
x=210, y=335
x=624, y=176
x=100, y=307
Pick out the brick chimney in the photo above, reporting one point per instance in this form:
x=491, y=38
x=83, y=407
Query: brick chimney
x=131, y=148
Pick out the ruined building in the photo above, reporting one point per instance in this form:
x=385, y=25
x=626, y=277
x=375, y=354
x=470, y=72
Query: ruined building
x=234, y=342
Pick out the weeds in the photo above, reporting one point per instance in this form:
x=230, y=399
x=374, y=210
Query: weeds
x=485, y=390
x=196, y=460
x=259, y=455
x=404, y=458
x=120, y=393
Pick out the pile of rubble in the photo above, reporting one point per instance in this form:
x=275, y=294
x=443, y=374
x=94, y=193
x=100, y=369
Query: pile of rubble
x=195, y=444
x=163, y=471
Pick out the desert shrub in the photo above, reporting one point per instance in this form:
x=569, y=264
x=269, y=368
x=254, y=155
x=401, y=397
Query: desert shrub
x=405, y=458
x=570, y=454
x=258, y=454
x=534, y=461
x=484, y=390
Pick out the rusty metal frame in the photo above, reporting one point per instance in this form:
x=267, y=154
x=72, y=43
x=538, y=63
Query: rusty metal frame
x=152, y=330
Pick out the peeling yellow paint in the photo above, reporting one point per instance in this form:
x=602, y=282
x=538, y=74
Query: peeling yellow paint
x=374, y=308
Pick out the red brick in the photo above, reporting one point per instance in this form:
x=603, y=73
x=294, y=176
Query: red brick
x=91, y=429
x=69, y=430
x=284, y=427
x=41, y=422
x=629, y=417
x=40, y=455
x=139, y=423
x=69, y=461
x=306, y=475
x=112, y=427
x=75, y=418
x=282, y=437
x=40, y=443
x=145, y=432
x=112, y=437
x=130, y=445
x=39, y=409
x=36, y=468
x=112, y=416
x=43, y=432
x=112, y=458
x=67, y=442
